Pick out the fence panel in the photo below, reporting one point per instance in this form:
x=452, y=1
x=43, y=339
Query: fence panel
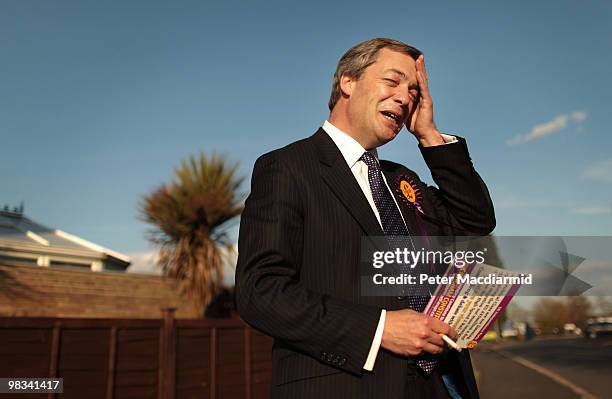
x=139, y=358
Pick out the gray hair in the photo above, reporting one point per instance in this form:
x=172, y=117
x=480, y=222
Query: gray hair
x=355, y=61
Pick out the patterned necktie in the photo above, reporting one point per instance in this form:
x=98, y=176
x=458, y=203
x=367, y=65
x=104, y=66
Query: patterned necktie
x=393, y=225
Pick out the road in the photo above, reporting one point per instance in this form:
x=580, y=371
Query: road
x=545, y=368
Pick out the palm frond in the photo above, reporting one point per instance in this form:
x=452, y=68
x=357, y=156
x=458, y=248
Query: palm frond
x=189, y=219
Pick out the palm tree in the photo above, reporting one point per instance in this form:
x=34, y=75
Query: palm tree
x=190, y=218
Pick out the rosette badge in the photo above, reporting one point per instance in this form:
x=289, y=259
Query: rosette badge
x=409, y=192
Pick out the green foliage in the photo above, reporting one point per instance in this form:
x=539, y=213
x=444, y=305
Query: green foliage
x=190, y=218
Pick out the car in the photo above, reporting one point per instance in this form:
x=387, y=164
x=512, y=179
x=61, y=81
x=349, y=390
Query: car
x=512, y=329
x=597, y=327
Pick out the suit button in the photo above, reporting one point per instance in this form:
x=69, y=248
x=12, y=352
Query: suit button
x=401, y=298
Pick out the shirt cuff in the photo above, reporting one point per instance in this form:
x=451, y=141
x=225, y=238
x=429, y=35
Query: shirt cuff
x=369, y=364
x=448, y=138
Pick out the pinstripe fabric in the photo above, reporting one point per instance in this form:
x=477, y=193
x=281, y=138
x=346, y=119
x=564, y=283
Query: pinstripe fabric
x=297, y=277
x=393, y=225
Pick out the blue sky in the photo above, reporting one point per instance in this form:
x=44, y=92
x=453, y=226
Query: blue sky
x=101, y=100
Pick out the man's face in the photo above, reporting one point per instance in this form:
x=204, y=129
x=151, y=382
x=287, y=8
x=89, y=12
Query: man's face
x=383, y=99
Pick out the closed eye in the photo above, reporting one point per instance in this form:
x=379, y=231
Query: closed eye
x=391, y=81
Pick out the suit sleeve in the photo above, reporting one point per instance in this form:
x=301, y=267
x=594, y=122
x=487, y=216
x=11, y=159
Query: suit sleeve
x=461, y=202
x=269, y=294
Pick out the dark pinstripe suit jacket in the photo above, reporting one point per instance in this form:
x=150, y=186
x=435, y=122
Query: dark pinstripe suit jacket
x=297, y=278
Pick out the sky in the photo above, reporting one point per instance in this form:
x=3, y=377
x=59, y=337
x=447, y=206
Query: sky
x=101, y=100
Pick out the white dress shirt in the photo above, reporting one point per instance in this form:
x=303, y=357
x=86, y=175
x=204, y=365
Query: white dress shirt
x=351, y=151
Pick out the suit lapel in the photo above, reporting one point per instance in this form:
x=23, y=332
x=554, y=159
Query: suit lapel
x=339, y=178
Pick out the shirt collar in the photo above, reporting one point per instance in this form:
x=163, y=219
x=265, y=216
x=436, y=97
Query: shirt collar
x=349, y=147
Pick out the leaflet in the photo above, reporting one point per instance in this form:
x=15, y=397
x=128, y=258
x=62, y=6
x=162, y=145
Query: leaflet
x=473, y=300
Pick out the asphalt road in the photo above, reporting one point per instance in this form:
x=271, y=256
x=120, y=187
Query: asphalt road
x=545, y=368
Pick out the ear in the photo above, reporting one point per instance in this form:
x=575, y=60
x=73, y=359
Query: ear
x=346, y=85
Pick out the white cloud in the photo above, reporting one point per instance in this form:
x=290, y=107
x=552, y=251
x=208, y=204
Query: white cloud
x=515, y=203
x=549, y=128
x=511, y=201
x=600, y=171
x=146, y=263
x=594, y=210
x=578, y=116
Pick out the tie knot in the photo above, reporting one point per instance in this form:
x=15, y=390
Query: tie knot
x=370, y=160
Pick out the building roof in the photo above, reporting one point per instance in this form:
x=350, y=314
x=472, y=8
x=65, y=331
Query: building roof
x=19, y=232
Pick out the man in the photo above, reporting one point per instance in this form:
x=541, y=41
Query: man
x=311, y=202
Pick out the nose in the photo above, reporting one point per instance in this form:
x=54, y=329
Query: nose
x=401, y=95
x=402, y=98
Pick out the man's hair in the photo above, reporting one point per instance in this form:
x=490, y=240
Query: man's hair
x=355, y=61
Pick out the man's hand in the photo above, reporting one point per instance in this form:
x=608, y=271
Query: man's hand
x=421, y=123
x=410, y=333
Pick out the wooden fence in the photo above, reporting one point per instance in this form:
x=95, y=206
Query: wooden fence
x=164, y=358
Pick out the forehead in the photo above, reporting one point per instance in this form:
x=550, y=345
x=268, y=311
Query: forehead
x=389, y=61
